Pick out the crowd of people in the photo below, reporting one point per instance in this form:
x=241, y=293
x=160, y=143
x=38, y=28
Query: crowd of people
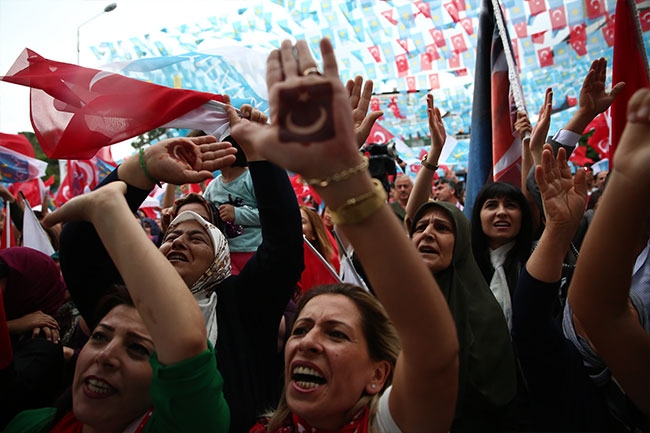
x=531, y=314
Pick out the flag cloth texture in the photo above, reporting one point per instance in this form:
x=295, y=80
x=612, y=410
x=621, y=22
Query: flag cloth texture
x=81, y=176
x=317, y=270
x=75, y=111
x=628, y=66
x=34, y=235
x=33, y=190
x=494, y=149
x=17, y=167
x=18, y=143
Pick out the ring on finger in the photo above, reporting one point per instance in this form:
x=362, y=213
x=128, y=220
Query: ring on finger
x=310, y=71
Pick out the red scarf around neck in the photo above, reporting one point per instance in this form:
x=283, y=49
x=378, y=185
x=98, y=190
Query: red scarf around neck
x=294, y=424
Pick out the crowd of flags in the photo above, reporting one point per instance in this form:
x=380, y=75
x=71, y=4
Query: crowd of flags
x=408, y=47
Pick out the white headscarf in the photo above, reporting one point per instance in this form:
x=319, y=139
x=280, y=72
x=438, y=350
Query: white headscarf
x=219, y=270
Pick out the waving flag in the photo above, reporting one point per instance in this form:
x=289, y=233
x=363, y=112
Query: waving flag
x=18, y=143
x=16, y=167
x=33, y=190
x=494, y=151
x=81, y=177
x=317, y=270
x=34, y=235
x=629, y=66
x=75, y=110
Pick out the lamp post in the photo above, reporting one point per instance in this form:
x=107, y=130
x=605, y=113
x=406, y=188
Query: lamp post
x=109, y=8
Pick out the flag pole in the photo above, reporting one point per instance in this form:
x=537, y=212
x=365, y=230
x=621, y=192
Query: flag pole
x=348, y=260
x=513, y=75
x=638, y=33
x=322, y=259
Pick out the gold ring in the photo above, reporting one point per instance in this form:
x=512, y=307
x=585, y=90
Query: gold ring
x=310, y=71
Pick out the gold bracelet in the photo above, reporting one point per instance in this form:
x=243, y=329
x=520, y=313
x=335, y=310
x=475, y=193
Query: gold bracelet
x=358, y=209
x=426, y=164
x=341, y=175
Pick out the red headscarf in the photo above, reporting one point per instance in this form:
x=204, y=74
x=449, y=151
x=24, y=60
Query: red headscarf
x=34, y=283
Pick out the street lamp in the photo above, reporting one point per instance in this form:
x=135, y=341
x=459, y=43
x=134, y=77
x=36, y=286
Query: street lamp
x=109, y=8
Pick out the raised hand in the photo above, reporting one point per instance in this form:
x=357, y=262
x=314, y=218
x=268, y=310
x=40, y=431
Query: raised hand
x=312, y=131
x=522, y=125
x=36, y=322
x=360, y=101
x=594, y=98
x=540, y=131
x=564, y=196
x=187, y=160
x=632, y=156
x=437, y=130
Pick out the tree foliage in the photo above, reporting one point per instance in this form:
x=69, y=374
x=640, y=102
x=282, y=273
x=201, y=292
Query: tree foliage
x=52, y=164
x=148, y=137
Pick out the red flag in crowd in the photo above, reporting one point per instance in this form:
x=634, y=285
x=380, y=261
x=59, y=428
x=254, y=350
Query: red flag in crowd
x=75, y=110
x=81, y=176
x=579, y=156
x=599, y=141
x=628, y=66
x=379, y=134
x=18, y=143
x=33, y=190
x=317, y=270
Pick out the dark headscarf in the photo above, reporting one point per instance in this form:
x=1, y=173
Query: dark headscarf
x=34, y=282
x=487, y=373
x=154, y=228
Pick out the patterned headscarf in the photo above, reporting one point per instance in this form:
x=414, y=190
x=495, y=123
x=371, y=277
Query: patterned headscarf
x=219, y=270
x=204, y=288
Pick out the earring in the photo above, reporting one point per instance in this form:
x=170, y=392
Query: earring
x=373, y=386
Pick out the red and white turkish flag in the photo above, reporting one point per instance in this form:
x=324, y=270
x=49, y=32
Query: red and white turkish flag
x=374, y=52
x=536, y=7
x=595, y=9
x=545, y=56
x=379, y=135
x=558, y=18
x=75, y=110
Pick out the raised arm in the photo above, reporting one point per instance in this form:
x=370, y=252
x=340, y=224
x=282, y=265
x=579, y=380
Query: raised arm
x=84, y=261
x=425, y=380
x=422, y=186
x=564, y=199
x=599, y=291
x=594, y=97
x=167, y=308
x=360, y=102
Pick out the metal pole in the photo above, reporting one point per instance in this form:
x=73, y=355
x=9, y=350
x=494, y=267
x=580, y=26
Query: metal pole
x=109, y=8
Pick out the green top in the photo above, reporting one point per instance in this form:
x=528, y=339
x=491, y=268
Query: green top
x=187, y=397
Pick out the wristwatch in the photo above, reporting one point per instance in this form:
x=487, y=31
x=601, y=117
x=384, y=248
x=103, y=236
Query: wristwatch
x=427, y=164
